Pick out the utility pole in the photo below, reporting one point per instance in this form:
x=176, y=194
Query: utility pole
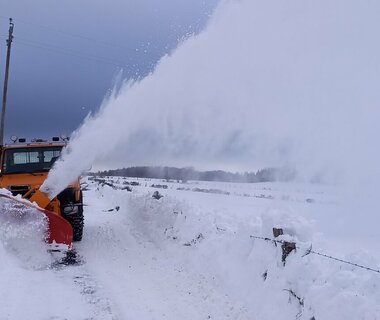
x=9, y=45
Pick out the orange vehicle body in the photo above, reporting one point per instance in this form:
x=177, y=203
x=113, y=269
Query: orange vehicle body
x=28, y=183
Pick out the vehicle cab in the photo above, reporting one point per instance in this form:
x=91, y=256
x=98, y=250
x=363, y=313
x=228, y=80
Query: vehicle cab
x=25, y=165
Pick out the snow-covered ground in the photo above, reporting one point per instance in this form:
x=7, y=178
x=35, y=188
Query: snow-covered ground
x=192, y=255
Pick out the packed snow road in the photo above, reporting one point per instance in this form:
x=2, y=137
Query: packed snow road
x=189, y=255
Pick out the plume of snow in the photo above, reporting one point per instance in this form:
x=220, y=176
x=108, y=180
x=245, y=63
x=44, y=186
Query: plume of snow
x=265, y=84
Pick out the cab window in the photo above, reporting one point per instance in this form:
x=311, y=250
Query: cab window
x=29, y=160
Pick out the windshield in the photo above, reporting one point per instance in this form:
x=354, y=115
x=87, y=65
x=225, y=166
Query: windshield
x=29, y=160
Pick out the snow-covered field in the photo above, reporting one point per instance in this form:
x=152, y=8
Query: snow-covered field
x=192, y=255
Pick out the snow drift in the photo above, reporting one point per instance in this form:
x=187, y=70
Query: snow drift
x=206, y=240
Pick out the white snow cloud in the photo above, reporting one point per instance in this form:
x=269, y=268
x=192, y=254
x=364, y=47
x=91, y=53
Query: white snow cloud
x=267, y=83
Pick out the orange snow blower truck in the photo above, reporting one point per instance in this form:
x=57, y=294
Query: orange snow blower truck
x=24, y=166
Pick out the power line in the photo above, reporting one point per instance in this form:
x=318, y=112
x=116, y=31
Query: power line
x=78, y=36
x=87, y=57
x=63, y=50
x=67, y=50
x=78, y=54
x=82, y=55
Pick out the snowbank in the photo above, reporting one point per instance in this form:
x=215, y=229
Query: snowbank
x=217, y=245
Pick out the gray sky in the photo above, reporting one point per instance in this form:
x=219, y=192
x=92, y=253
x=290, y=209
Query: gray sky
x=66, y=54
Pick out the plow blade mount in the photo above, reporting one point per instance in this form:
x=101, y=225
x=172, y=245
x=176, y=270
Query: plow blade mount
x=59, y=230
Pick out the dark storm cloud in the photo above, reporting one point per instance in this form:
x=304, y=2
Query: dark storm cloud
x=66, y=53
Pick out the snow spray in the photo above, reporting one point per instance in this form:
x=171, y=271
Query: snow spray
x=265, y=84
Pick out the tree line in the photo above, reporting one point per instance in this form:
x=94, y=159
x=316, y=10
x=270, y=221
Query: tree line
x=188, y=173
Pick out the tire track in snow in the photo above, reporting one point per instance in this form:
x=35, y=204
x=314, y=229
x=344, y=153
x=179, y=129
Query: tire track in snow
x=86, y=284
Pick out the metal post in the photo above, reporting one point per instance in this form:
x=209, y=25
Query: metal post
x=5, y=89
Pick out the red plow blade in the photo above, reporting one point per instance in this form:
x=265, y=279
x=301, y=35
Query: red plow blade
x=59, y=231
